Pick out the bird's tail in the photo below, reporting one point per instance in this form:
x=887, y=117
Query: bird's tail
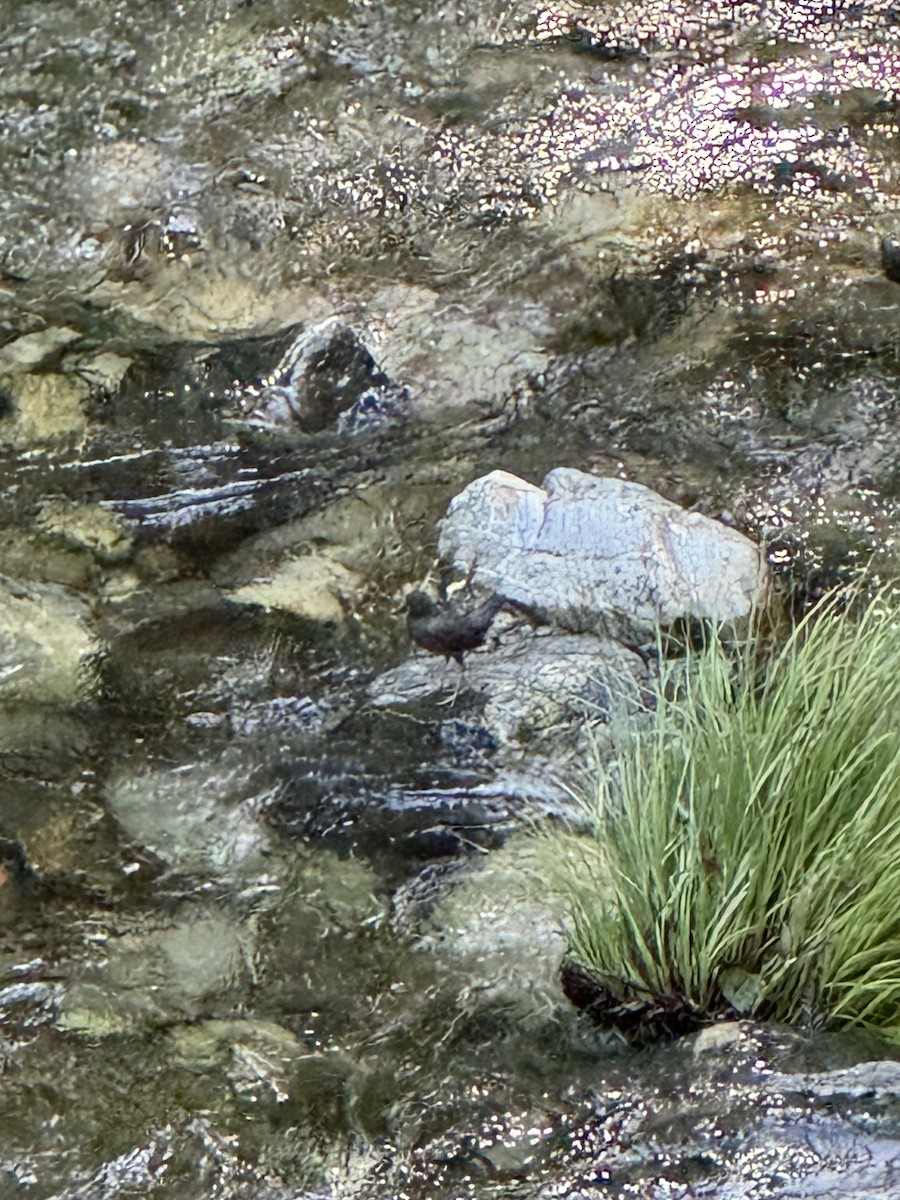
x=528, y=611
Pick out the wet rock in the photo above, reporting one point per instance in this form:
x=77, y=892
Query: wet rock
x=71, y=848
x=522, y=683
x=455, y=355
x=834, y=474
x=488, y=923
x=326, y=372
x=46, y=641
x=256, y=1056
x=715, y=1039
x=183, y=302
x=405, y=822
x=583, y=550
x=319, y=938
x=315, y=567
x=17, y=881
x=166, y=609
x=88, y=527
x=33, y=349
x=44, y=559
x=193, y=967
x=103, y=371
x=876, y=1081
x=724, y=1124
x=392, y=800
x=890, y=259
x=201, y=816
x=45, y=407
x=376, y=409
x=284, y=717
x=45, y=742
x=28, y=1004
x=191, y=488
x=314, y=587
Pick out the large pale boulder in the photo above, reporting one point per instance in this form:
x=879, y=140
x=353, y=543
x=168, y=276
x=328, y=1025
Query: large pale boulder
x=582, y=549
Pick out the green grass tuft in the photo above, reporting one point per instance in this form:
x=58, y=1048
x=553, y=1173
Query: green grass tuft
x=744, y=849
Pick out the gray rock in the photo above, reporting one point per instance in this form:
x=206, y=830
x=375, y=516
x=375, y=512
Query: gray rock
x=196, y=816
x=529, y=683
x=582, y=550
x=879, y=1081
x=29, y=1004
x=377, y=408
x=748, y=1132
x=326, y=372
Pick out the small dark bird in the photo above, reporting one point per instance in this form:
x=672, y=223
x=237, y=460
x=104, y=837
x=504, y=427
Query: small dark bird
x=443, y=629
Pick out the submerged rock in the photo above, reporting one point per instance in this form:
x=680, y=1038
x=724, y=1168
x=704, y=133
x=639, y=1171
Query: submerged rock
x=45, y=407
x=462, y=353
x=45, y=641
x=194, y=966
x=488, y=922
x=87, y=527
x=32, y=349
x=582, y=550
x=256, y=1056
x=195, y=816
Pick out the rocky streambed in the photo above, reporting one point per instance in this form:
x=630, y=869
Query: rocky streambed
x=277, y=287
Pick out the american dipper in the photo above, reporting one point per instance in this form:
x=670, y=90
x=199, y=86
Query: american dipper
x=443, y=629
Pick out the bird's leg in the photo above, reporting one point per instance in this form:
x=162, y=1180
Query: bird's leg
x=462, y=674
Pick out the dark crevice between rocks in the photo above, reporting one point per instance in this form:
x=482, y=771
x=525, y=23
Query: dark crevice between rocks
x=641, y=1022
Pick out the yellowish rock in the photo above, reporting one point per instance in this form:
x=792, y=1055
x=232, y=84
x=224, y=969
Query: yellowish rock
x=311, y=586
x=31, y=349
x=31, y=555
x=106, y=370
x=187, y=302
x=88, y=527
x=45, y=407
x=456, y=356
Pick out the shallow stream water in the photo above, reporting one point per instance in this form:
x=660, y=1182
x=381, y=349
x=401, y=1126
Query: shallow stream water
x=260, y=937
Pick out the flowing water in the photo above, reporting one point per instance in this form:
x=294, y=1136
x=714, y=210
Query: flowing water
x=259, y=936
